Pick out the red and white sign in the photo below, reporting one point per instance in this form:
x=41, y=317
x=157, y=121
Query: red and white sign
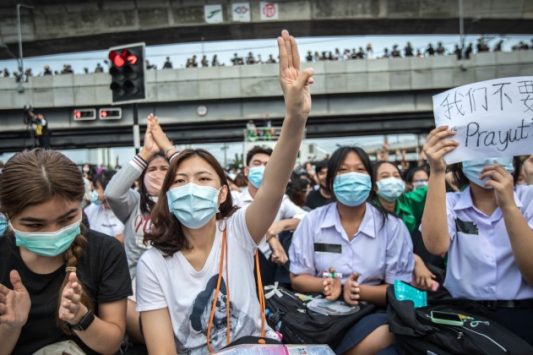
x=269, y=11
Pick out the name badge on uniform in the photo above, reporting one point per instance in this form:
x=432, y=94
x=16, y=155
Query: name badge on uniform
x=466, y=227
x=328, y=248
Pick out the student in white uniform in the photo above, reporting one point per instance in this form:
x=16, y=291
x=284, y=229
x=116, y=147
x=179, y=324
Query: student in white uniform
x=487, y=231
x=100, y=216
x=195, y=286
x=369, y=246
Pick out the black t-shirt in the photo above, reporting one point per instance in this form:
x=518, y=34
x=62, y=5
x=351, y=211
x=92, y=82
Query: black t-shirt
x=103, y=270
x=315, y=200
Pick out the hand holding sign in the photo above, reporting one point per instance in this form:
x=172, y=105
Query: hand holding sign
x=492, y=118
x=438, y=144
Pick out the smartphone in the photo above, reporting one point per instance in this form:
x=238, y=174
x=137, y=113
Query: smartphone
x=446, y=318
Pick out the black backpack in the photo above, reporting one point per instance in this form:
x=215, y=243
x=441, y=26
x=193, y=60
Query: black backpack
x=415, y=333
x=288, y=314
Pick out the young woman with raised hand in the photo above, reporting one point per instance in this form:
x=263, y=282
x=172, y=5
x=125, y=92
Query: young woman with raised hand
x=195, y=287
x=58, y=280
x=368, y=246
x=133, y=207
x=487, y=231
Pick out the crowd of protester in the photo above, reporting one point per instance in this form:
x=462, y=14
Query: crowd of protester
x=160, y=254
x=366, y=52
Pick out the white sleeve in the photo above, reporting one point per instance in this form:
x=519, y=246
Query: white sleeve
x=399, y=259
x=120, y=226
x=301, y=251
x=289, y=209
x=148, y=289
x=237, y=228
x=451, y=200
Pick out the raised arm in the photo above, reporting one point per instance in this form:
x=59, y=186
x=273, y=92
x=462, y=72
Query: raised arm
x=434, y=220
x=119, y=195
x=160, y=138
x=295, y=85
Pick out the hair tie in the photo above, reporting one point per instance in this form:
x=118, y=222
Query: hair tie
x=69, y=269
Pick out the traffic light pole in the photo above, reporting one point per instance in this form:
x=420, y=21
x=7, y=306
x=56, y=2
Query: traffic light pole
x=136, y=130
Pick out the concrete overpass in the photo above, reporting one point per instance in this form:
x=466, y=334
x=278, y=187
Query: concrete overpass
x=213, y=104
x=60, y=26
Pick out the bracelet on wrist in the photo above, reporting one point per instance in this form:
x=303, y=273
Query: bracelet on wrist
x=84, y=322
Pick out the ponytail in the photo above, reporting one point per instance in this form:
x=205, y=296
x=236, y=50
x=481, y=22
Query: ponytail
x=72, y=256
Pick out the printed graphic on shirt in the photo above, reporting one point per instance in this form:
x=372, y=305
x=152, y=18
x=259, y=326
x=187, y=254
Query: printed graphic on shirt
x=198, y=318
x=143, y=224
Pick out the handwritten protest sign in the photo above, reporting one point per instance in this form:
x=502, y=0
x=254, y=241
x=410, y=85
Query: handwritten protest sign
x=493, y=118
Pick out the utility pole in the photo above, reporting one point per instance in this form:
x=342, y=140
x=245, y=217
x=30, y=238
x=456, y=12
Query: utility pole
x=225, y=149
x=20, y=58
x=462, y=28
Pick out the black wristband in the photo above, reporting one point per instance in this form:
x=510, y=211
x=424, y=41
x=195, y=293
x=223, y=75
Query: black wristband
x=85, y=321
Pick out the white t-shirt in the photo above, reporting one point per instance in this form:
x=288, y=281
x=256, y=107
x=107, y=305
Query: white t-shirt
x=173, y=283
x=103, y=220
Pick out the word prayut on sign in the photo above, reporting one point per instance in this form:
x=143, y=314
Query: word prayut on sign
x=492, y=118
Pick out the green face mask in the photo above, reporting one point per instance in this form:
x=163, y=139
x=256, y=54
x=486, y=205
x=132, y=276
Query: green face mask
x=48, y=243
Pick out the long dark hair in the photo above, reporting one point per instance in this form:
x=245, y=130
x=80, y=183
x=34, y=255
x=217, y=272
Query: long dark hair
x=103, y=178
x=145, y=203
x=297, y=187
x=167, y=233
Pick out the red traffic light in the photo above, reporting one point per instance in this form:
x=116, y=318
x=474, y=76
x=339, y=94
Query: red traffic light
x=116, y=59
x=84, y=114
x=127, y=74
x=119, y=60
x=132, y=59
x=110, y=113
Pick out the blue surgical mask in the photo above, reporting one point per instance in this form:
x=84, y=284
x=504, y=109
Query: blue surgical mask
x=390, y=188
x=48, y=243
x=418, y=184
x=193, y=205
x=472, y=168
x=255, y=175
x=3, y=225
x=95, y=199
x=352, y=189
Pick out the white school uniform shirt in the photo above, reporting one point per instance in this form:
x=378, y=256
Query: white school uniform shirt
x=381, y=251
x=171, y=282
x=287, y=210
x=481, y=264
x=103, y=220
